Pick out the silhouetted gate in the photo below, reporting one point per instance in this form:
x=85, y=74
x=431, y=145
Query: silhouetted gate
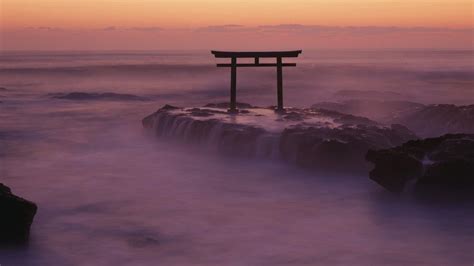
x=257, y=55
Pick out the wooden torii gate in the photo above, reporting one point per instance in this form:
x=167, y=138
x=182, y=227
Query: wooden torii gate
x=257, y=55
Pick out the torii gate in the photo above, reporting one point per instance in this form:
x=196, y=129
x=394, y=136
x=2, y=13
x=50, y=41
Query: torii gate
x=257, y=55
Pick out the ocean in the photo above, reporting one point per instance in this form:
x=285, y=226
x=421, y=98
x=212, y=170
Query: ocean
x=110, y=194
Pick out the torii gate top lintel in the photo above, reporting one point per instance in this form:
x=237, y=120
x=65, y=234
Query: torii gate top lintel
x=257, y=55
x=246, y=54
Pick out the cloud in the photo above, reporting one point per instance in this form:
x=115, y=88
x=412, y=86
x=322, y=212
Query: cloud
x=224, y=28
x=233, y=36
x=146, y=28
x=283, y=28
x=110, y=28
x=352, y=29
x=44, y=28
x=321, y=29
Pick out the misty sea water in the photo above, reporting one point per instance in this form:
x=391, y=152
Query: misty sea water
x=109, y=194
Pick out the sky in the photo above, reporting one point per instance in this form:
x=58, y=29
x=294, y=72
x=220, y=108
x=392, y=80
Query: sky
x=243, y=24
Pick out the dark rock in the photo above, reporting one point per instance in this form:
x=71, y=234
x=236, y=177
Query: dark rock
x=16, y=217
x=149, y=121
x=393, y=169
x=3, y=89
x=294, y=116
x=444, y=164
x=168, y=107
x=110, y=96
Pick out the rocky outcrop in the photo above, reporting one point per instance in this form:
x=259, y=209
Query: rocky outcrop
x=368, y=94
x=380, y=111
x=109, y=96
x=16, y=217
x=425, y=120
x=205, y=126
x=436, y=165
x=439, y=119
x=310, y=137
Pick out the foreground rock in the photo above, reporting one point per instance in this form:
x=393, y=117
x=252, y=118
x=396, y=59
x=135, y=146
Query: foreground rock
x=16, y=217
x=110, y=96
x=311, y=137
x=437, y=165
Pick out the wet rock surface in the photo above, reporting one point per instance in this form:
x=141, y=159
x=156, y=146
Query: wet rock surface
x=316, y=138
x=85, y=96
x=443, y=165
x=16, y=217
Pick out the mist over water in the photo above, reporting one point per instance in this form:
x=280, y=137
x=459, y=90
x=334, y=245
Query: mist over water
x=109, y=194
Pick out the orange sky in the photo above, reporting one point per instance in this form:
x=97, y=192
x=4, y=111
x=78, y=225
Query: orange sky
x=193, y=13
x=183, y=24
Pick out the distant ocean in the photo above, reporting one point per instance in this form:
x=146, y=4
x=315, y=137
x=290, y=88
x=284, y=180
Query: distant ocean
x=422, y=76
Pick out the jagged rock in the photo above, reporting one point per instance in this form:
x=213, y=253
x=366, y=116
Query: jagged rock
x=85, y=96
x=443, y=164
x=436, y=120
x=310, y=137
x=16, y=217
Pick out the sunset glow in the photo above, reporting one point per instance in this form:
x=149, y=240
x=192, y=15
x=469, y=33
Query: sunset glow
x=187, y=13
x=186, y=24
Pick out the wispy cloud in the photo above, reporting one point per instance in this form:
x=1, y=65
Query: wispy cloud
x=44, y=28
x=352, y=29
x=281, y=36
x=224, y=28
x=147, y=29
x=110, y=28
x=288, y=28
x=315, y=29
